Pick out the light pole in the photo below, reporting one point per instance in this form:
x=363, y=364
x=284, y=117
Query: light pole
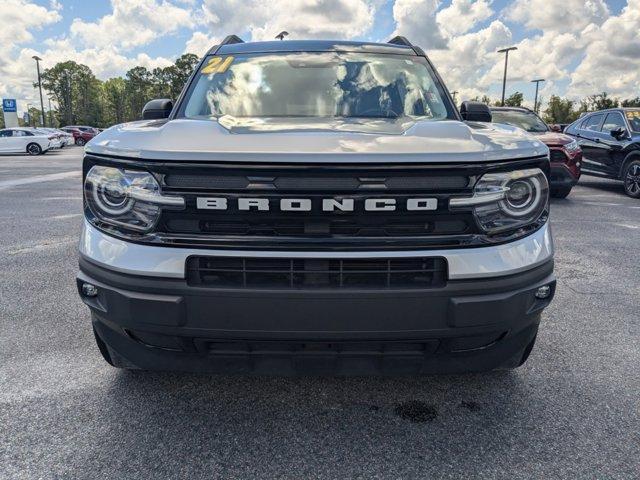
x=453, y=95
x=506, y=62
x=535, y=102
x=38, y=59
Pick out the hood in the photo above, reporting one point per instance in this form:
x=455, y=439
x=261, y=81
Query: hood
x=553, y=138
x=316, y=140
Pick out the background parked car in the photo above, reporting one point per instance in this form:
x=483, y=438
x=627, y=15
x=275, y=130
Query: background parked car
x=55, y=139
x=81, y=134
x=24, y=140
x=566, y=156
x=65, y=139
x=610, y=141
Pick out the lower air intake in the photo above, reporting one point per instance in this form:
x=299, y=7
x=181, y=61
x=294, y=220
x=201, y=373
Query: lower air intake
x=290, y=273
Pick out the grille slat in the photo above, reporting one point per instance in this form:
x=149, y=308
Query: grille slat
x=348, y=182
x=225, y=272
x=352, y=225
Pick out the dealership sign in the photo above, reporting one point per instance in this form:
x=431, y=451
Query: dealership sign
x=10, y=111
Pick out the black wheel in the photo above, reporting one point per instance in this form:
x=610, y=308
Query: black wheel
x=631, y=179
x=560, y=192
x=34, y=149
x=80, y=142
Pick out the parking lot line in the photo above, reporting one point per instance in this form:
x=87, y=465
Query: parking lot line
x=38, y=179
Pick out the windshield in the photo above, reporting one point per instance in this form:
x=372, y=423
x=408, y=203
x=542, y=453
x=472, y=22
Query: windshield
x=324, y=84
x=528, y=121
x=633, y=116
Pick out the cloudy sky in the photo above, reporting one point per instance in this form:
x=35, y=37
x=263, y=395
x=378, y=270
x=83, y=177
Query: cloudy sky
x=580, y=46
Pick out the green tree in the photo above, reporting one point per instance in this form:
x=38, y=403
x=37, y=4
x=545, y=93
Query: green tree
x=169, y=81
x=514, y=100
x=631, y=102
x=115, y=101
x=601, y=101
x=560, y=110
x=76, y=90
x=138, y=91
x=183, y=69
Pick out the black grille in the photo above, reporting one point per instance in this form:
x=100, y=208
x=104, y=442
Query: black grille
x=275, y=225
x=356, y=228
x=290, y=273
x=349, y=182
x=258, y=229
x=557, y=156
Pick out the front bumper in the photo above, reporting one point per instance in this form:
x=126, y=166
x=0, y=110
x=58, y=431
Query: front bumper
x=470, y=324
x=561, y=176
x=463, y=263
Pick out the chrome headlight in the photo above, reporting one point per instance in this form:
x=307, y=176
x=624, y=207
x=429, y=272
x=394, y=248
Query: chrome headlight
x=126, y=198
x=507, y=200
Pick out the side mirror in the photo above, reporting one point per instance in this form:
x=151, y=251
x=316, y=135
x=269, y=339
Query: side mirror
x=157, y=109
x=475, y=112
x=618, y=133
x=555, y=128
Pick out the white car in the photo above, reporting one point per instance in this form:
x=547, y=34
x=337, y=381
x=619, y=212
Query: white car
x=62, y=139
x=55, y=141
x=24, y=140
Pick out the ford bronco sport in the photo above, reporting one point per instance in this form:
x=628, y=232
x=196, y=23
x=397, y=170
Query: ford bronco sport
x=315, y=207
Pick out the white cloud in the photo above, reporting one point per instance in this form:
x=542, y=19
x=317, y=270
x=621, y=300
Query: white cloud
x=468, y=56
x=132, y=23
x=416, y=20
x=612, y=57
x=303, y=19
x=18, y=17
x=463, y=15
x=558, y=15
x=200, y=43
x=543, y=56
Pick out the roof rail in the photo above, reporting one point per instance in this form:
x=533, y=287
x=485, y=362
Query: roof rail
x=231, y=39
x=400, y=40
x=228, y=40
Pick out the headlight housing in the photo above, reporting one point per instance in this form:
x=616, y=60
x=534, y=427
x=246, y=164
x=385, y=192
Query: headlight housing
x=507, y=200
x=129, y=199
x=572, y=147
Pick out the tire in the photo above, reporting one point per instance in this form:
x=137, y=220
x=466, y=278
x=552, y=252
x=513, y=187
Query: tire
x=34, y=149
x=81, y=142
x=631, y=179
x=561, y=192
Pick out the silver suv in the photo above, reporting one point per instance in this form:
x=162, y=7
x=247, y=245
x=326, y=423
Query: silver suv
x=315, y=207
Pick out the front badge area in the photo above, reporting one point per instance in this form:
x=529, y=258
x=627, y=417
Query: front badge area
x=323, y=204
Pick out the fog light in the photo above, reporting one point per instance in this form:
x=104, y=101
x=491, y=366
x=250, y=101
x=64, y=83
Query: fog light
x=89, y=290
x=543, y=292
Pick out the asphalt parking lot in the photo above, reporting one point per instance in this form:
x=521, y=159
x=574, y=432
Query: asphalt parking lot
x=571, y=412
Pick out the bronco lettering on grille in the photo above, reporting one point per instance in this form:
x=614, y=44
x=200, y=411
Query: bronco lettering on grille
x=325, y=204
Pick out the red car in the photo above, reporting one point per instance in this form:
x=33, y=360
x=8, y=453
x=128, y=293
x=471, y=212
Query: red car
x=566, y=155
x=81, y=134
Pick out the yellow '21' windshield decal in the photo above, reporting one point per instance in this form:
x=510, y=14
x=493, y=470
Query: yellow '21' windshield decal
x=217, y=65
